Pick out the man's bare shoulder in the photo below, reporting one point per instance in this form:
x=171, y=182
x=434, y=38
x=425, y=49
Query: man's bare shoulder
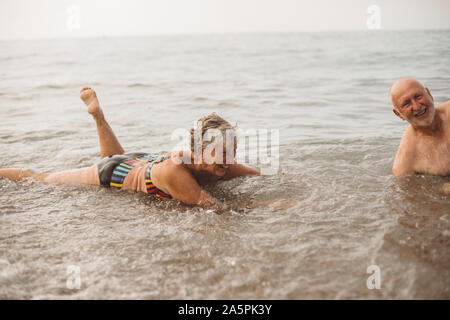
x=444, y=109
x=409, y=136
x=408, y=143
x=444, y=105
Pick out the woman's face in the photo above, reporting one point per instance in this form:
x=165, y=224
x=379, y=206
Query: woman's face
x=216, y=161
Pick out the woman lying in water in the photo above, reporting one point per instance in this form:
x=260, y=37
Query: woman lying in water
x=178, y=175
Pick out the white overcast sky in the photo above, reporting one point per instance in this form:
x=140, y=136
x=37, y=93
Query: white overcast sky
x=54, y=18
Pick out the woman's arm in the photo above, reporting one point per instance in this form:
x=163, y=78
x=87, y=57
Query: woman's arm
x=182, y=186
x=239, y=170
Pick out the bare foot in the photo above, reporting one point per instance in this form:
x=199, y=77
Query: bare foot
x=90, y=99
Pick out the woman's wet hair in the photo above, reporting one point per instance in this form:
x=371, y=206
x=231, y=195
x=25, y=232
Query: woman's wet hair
x=211, y=122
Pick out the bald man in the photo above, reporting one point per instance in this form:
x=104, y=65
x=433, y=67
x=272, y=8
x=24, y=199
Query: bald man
x=425, y=146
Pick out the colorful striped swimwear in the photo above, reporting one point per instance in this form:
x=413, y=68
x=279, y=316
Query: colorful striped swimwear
x=121, y=171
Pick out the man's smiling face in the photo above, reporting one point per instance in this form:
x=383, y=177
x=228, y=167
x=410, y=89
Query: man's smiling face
x=413, y=102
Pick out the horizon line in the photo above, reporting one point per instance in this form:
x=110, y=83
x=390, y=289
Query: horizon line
x=175, y=34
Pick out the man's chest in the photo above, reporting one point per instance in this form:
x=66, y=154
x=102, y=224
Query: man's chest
x=433, y=156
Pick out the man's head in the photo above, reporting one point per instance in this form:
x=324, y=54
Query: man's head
x=214, y=141
x=412, y=102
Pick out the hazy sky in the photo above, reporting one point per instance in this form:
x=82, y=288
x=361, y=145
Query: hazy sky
x=80, y=18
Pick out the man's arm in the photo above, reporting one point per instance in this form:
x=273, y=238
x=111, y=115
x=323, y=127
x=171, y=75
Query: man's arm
x=404, y=160
x=238, y=170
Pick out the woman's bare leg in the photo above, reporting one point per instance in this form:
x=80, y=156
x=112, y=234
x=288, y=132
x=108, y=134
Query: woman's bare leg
x=109, y=144
x=77, y=176
x=19, y=174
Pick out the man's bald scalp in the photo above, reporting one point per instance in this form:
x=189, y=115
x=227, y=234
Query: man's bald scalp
x=401, y=83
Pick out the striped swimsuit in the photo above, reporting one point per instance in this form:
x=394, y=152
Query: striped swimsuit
x=120, y=172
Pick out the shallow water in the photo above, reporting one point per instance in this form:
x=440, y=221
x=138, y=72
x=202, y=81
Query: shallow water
x=337, y=208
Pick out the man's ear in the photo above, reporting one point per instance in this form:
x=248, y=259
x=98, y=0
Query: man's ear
x=429, y=93
x=398, y=114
